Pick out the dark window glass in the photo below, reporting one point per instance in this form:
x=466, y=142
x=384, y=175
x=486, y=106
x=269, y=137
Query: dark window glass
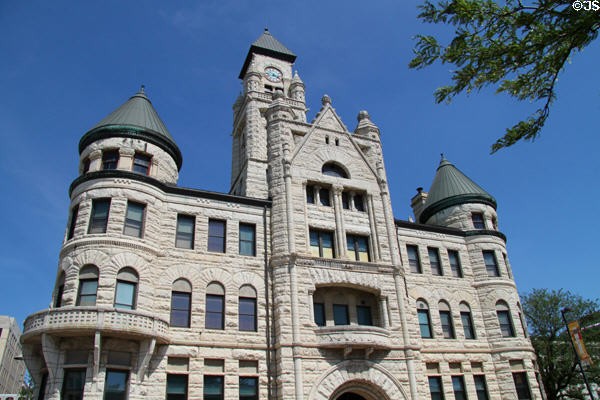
x=340, y=314
x=455, y=264
x=359, y=246
x=86, y=166
x=359, y=202
x=247, y=314
x=310, y=194
x=319, y=309
x=467, y=323
x=177, y=387
x=447, y=326
x=505, y=321
x=481, y=387
x=413, y=259
x=42, y=392
x=87, y=292
x=458, y=386
x=345, y=201
x=110, y=159
x=247, y=239
x=99, y=216
x=73, y=384
x=125, y=295
x=478, y=222
x=181, y=303
x=59, y=296
x=332, y=169
x=321, y=244
x=248, y=388
x=134, y=219
x=141, y=163
x=216, y=235
x=215, y=308
x=324, y=197
x=115, y=385
x=73, y=221
x=363, y=315
x=213, y=387
x=491, y=264
x=424, y=324
x=434, y=260
x=435, y=388
x=522, y=385
x=184, y=237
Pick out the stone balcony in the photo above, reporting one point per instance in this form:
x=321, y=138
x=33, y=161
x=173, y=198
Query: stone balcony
x=81, y=321
x=353, y=337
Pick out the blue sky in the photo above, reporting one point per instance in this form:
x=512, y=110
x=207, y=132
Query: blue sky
x=66, y=65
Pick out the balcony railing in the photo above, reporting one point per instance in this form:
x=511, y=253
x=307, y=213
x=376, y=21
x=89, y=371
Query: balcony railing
x=353, y=336
x=73, y=321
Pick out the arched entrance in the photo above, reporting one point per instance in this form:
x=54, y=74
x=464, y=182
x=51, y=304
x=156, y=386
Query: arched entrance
x=358, y=390
x=350, y=396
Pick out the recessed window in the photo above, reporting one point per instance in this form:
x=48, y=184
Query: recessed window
x=310, y=194
x=455, y=266
x=446, y=320
x=181, y=303
x=110, y=159
x=467, y=321
x=481, y=387
x=364, y=315
x=184, y=236
x=478, y=222
x=213, y=387
x=491, y=264
x=424, y=319
x=340, y=314
x=115, y=385
x=73, y=221
x=126, y=289
x=215, y=306
x=345, y=201
x=319, y=310
x=247, y=239
x=458, y=386
x=88, y=286
x=321, y=244
x=141, y=163
x=177, y=386
x=358, y=247
x=414, y=262
x=434, y=261
x=248, y=388
x=522, y=385
x=73, y=384
x=216, y=235
x=58, y=298
x=247, y=309
x=359, y=202
x=324, y=197
x=333, y=169
x=504, y=319
x=86, y=166
x=435, y=388
x=134, y=219
x=99, y=216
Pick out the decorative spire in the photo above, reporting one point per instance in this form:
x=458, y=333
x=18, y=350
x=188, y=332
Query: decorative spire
x=325, y=100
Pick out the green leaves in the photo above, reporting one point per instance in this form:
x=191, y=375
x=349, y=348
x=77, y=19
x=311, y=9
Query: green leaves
x=519, y=48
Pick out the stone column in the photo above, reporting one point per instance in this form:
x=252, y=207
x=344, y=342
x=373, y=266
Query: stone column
x=125, y=159
x=373, y=227
x=95, y=160
x=339, y=221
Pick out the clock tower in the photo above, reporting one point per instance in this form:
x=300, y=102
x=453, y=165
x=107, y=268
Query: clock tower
x=267, y=71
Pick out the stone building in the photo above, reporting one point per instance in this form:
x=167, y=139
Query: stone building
x=297, y=284
x=12, y=367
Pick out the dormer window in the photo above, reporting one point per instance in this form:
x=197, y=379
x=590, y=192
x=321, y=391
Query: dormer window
x=110, y=159
x=141, y=163
x=333, y=169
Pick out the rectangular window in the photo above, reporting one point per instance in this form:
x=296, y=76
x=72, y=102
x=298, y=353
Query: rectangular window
x=481, y=387
x=424, y=324
x=110, y=159
x=447, y=327
x=321, y=244
x=73, y=384
x=125, y=295
x=99, y=216
x=310, y=194
x=216, y=235
x=359, y=202
x=324, y=197
x=213, y=387
x=115, y=385
x=478, y=222
x=319, y=310
x=455, y=267
x=505, y=321
x=181, y=303
x=363, y=315
x=340, y=314
x=467, y=323
x=522, y=385
x=86, y=166
x=184, y=236
x=345, y=201
x=134, y=219
x=414, y=261
x=491, y=264
x=247, y=314
x=73, y=221
x=434, y=260
x=435, y=388
x=458, y=386
x=248, y=388
x=141, y=163
x=247, y=239
x=177, y=386
x=358, y=247
x=215, y=308
x=59, y=297
x=87, y=292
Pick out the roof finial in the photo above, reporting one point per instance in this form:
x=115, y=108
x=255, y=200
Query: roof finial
x=442, y=156
x=266, y=30
x=142, y=89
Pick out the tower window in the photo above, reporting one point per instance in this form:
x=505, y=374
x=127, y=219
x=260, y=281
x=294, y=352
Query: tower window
x=126, y=289
x=321, y=244
x=504, y=319
x=115, y=385
x=86, y=165
x=522, y=385
x=478, y=222
x=73, y=221
x=491, y=264
x=88, y=286
x=73, y=384
x=134, y=219
x=141, y=163
x=99, y=217
x=110, y=159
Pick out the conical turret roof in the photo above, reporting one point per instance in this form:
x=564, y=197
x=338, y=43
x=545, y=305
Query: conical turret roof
x=451, y=187
x=136, y=118
x=267, y=45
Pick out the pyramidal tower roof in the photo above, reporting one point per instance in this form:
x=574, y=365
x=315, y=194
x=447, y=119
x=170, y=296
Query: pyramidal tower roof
x=451, y=187
x=267, y=45
x=136, y=118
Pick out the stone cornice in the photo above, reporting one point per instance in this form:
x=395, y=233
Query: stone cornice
x=449, y=231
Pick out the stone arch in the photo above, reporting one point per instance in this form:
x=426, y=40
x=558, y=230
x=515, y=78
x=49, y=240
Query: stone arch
x=175, y=272
x=249, y=278
x=95, y=257
x=131, y=260
x=217, y=275
x=324, y=277
x=364, y=373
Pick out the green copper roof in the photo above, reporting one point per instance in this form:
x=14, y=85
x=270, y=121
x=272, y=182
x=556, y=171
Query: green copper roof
x=267, y=45
x=135, y=118
x=451, y=187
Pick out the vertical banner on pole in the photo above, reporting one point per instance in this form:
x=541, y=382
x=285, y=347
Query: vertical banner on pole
x=575, y=332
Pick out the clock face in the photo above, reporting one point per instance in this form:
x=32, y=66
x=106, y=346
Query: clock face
x=273, y=74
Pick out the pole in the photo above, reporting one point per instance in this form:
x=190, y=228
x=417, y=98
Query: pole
x=587, y=384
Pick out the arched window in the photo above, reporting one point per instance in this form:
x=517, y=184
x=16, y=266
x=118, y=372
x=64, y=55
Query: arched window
x=467, y=320
x=181, y=303
x=424, y=319
x=215, y=306
x=126, y=289
x=334, y=169
x=60, y=287
x=88, y=285
x=446, y=320
x=522, y=319
x=504, y=319
x=247, y=309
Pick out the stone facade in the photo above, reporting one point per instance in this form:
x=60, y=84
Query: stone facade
x=298, y=284
x=12, y=367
